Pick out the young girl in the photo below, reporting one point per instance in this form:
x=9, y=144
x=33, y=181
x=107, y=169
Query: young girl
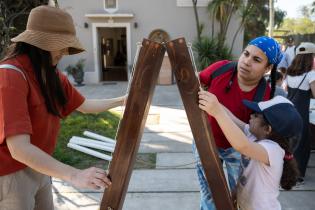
x=267, y=161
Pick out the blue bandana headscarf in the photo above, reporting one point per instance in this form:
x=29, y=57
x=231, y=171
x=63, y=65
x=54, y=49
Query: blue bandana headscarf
x=270, y=48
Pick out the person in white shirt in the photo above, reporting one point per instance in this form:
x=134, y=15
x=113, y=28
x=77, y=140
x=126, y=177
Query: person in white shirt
x=290, y=51
x=300, y=82
x=267, y=161
x=288, y=55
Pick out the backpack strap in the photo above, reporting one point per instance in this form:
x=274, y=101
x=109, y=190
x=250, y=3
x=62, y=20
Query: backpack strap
x=292, y=96
x=9, y=66
x=259, y=95
x=223, y=69
x=260, y=92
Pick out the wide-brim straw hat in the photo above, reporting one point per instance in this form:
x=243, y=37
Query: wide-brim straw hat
x=50, y=29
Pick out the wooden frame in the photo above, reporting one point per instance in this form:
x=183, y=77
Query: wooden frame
x=132, y=124
x=188, y=85
x=137, y=107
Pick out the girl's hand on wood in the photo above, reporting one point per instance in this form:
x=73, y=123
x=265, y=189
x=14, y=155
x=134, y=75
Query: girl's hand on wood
x=209, y=103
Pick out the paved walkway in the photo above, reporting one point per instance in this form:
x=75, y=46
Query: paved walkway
x=166, y=187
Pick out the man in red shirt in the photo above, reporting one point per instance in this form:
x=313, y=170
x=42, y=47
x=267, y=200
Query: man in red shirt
x=34, y=96
x=233, y=82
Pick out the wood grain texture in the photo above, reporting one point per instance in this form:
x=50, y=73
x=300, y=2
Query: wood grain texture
x=132, y=124
x=188, y=85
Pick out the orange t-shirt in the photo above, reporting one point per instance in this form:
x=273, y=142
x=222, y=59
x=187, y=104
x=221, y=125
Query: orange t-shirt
x=23, y=111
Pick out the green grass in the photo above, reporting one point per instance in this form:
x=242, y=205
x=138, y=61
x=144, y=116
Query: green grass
x=105, y=124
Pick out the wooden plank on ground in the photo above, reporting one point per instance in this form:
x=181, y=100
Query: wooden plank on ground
x=132, y=124
x=188, y=85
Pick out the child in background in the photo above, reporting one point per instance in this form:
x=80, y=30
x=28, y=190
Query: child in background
x=267, y=160
x=279, y=85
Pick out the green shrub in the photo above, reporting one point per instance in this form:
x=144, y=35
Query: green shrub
x=208, y=51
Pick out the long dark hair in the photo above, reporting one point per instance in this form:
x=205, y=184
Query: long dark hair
x=273, y=80
x=290, y=170
x=46, y=75
x=301, y=63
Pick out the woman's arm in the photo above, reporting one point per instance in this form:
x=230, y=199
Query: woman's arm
x=100, y=105
x=23, y=151
x=209, y=103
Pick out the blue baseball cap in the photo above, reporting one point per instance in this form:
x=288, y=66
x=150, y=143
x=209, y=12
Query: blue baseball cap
x=281, y=114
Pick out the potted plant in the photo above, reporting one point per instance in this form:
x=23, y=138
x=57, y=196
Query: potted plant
x=77, y=72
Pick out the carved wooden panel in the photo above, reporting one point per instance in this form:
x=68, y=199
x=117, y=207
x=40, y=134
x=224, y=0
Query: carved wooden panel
x=188, y=85
x=132, y=124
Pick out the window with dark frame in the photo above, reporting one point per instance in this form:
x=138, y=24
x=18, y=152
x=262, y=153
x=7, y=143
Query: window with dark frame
x=110, y=4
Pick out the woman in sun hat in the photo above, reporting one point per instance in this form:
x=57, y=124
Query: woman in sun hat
x=267, y=161
x=34, y=96
x=301, y=87
x=233, y=82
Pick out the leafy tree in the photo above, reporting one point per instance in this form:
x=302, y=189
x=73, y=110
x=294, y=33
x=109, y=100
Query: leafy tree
x=258, y=20
x=13, y=18
x=305, y=11
x=222, y=11
x=208, y=50
x=313, y=7
x=245, y=12
x=198, y=25
x=298, y=26
x=213, y=48
x=56, y=3
x=254, y=18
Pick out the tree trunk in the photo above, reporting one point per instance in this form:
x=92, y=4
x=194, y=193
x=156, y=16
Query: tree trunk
x=197, y=19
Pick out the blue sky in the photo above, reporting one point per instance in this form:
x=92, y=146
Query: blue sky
x=292, y=6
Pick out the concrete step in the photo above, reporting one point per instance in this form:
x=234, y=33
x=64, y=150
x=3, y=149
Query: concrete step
x=172, y=119
x=153, y=117
x=167, y=96
x=168, y=189
x=171, y=180
x=164, y=119
x=175, y=160
x=133, y=201
x=294, y=200
x=77, y=201
x=290, y=200
x=311, y=163
x=166, y=142
x=309, y=181
x=158, y=201
x=168, y=127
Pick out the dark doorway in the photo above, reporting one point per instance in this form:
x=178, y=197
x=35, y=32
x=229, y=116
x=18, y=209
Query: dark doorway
x=113, y=54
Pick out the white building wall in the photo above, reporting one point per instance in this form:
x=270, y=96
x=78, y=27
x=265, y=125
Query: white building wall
x=149, y=15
